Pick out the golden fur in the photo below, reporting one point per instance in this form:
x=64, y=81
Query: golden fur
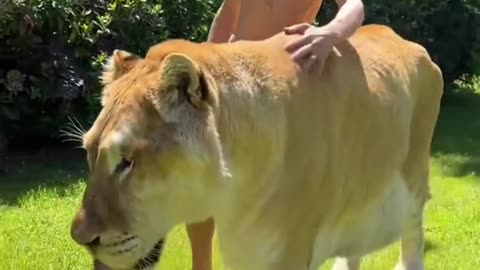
x=295, y=168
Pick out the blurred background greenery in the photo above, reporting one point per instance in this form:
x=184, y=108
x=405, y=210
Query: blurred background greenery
x=51, y=51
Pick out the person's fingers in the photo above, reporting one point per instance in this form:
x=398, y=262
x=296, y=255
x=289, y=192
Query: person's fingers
x=302, y=52
x=310, y=63
x=319, y=63
x=320, y=66
x=232, y=38
x=297, y=28
x=303, y=61
x=297, y=44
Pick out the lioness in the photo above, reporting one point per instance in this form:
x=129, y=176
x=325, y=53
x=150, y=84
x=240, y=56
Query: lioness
x=294, y=168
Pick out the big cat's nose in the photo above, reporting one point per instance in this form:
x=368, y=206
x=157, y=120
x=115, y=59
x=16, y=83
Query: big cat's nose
x=84, y=233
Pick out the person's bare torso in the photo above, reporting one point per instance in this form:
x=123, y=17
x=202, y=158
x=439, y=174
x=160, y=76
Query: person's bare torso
x=260, y=19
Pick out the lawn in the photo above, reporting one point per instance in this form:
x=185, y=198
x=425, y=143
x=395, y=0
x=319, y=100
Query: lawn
x=35, y=218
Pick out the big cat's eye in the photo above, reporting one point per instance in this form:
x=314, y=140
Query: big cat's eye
x=124, y=166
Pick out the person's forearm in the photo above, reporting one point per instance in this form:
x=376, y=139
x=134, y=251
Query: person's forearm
x=225, y=22
x=349, y=18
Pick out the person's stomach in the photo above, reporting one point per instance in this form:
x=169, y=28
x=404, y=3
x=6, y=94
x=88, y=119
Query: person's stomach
x=260, y=19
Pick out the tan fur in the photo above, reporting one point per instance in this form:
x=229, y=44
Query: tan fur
x=295, y=168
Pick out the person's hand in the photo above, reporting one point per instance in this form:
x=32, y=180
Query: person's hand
x=232, y=38
x=311, y=50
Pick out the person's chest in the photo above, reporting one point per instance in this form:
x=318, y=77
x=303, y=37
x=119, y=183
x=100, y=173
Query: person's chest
x=259, y=19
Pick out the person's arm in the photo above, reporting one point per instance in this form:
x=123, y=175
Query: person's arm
x=225, y=21
x=349, y=18
x=316, y=43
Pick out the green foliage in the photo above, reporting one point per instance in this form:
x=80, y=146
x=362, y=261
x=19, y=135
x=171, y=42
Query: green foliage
x=447, y=28
x=467, y=85
x=51, y=51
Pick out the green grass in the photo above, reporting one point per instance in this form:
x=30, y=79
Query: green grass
x=35, y=219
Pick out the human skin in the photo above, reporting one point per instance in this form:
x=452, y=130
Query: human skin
x=260, y=19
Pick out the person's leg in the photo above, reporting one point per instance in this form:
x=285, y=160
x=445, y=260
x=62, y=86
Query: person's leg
x=201, y=241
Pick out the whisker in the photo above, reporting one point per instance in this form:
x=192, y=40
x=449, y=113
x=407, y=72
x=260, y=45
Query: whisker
x=68, y=130
x=75, y=124
x=80, y=126
x=152, y=257
x=73, y=131
x=140, y=265
x=71, y=134
x=72, y=140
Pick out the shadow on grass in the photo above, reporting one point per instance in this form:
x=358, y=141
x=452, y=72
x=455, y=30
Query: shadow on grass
x=57, y=167
x=456, y=144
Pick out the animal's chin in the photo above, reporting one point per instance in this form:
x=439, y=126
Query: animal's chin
x=152, y=257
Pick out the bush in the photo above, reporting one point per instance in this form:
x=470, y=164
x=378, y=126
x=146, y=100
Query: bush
x=51, y=52
x=447, y=28
x=467, y=85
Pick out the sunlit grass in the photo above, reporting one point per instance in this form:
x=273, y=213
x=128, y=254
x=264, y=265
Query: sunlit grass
x=34, y=221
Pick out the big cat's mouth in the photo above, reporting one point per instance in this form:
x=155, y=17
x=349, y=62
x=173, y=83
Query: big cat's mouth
x=151, y=258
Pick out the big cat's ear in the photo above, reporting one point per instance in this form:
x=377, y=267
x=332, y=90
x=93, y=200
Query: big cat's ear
x=183, y=80
x=118, y=64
